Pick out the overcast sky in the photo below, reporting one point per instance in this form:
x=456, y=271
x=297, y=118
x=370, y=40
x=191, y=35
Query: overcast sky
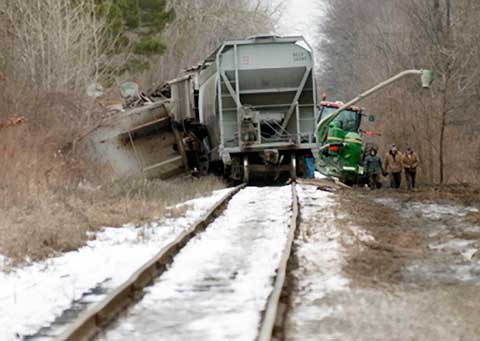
x=301, y=18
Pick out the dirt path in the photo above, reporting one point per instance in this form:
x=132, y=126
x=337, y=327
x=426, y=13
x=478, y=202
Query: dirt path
x=412, y=268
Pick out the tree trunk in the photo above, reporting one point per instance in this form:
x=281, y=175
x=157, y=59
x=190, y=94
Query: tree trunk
x=442, y=132
x=445, y=93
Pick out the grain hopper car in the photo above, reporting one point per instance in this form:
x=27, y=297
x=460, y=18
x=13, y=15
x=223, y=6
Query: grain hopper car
x=248, y=110
x=257, y=98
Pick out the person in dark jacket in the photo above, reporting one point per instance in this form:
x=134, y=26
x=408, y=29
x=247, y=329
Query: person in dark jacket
x=373, y=169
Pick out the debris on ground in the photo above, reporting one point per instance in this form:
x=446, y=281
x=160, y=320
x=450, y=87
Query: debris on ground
x=326, y=184
x=12, y=121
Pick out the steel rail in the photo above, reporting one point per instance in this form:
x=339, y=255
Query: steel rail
x=93, y=321
x=271, y=311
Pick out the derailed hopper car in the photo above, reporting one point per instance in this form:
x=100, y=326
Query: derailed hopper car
x=257, y=98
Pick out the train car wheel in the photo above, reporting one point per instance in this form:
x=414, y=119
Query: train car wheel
x=293, y=167
x=204, y=165
x=246, y=170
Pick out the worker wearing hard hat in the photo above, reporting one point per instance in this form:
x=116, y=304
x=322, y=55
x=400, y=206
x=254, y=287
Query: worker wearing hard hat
x=393, y=166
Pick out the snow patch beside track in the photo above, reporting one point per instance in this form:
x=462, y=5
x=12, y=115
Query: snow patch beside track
x=34, y=296
x=219, y=283
x=320, y=257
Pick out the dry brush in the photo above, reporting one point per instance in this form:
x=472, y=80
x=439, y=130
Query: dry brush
x=51, y=193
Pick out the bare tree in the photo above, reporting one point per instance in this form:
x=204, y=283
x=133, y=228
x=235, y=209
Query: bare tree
x=202, y=25
x=58, y=44
x=369, y=40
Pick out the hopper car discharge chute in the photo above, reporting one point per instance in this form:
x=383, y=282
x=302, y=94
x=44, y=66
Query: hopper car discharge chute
x=257, y=99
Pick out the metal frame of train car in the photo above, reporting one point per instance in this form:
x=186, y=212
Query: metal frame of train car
x=258, y=99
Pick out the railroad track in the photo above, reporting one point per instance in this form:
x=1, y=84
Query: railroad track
x=272, y=312
x=248, y=234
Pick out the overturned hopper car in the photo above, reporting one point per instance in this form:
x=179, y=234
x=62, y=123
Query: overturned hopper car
x=257, y=98
x=138, y=142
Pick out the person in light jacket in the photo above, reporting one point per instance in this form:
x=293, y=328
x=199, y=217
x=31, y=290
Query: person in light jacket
x=410, y=162
x=393, y=166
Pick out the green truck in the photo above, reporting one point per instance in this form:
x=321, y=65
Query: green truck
x=341, y=144
x=339, y=136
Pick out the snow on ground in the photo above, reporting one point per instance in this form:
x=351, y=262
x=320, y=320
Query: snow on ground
x=439, y=211
x=33, y=296
x=437, y=296
x=445, y=224
x=361, y=234
x=431, y=211
x=220, y=281
x=320, y=255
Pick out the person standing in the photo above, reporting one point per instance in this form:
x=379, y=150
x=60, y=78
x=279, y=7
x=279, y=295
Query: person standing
x=393, y=166
x=310, y=165
x=373, y=169
x=409, y=162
